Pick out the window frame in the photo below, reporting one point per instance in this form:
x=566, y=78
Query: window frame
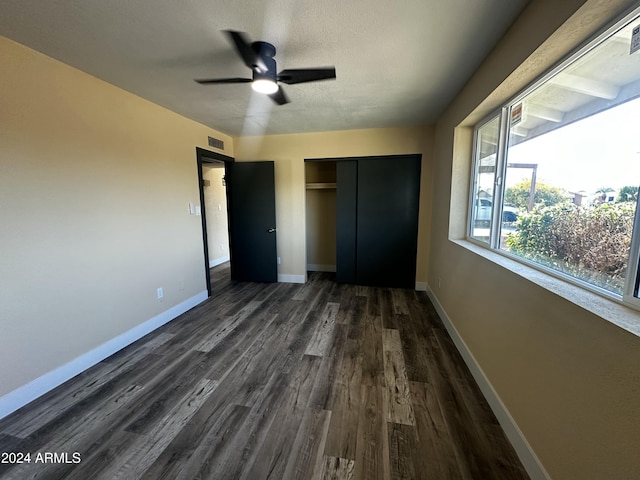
x=471, y=214
x=503, y=113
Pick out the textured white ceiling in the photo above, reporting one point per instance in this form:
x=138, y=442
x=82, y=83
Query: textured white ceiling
x=398, y=62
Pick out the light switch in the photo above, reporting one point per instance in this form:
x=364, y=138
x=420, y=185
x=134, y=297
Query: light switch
x=192, y=209
x=198, y=210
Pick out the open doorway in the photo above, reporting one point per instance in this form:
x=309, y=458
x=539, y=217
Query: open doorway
x=250, y=241
x=215, y=202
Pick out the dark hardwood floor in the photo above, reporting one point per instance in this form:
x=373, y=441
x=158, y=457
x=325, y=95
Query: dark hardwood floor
x=272, y=381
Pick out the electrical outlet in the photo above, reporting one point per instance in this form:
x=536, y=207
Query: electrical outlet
x=160, y=292
x=279, y=261
x=221, y=247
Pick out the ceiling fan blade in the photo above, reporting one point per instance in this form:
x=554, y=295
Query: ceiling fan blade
x=301, y=75
x=279, y=97
x=250, y=58
x=205, y=81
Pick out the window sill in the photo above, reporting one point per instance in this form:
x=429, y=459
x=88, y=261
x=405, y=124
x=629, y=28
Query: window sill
x=608, y=309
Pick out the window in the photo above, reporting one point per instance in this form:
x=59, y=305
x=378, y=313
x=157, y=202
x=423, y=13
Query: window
x=486, y=149
x=557, y=169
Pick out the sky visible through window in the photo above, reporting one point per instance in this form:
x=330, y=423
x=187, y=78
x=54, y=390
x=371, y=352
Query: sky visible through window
x=602, y=150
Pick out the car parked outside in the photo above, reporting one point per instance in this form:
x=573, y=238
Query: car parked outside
x=484, y=208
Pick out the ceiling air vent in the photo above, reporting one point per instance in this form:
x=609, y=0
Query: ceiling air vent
x=215, y=143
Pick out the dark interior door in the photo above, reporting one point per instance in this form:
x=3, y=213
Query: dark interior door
x=252, y=221
x=387, y=217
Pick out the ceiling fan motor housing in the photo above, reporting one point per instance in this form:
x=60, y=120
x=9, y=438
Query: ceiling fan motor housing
x=268, y=75
x=264, y=49
x=266, y=52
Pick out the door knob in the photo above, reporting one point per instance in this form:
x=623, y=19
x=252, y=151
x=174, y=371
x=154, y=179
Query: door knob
x=271, y=230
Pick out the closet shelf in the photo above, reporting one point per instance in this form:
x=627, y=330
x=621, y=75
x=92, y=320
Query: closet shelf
x=321, y=186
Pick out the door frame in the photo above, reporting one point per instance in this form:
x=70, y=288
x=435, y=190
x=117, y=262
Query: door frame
x=206, y=156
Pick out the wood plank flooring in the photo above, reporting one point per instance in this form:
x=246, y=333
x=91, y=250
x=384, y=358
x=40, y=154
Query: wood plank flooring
x=272, y=381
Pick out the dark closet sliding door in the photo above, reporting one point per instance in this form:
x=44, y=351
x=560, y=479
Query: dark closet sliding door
x=346, y=220
x=388, y=191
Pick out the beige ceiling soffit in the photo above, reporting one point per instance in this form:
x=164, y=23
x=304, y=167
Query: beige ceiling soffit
x=622, y=36
x=595, y=88
x=544, y=113
x=519, y=131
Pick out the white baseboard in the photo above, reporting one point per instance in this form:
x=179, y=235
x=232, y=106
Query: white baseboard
x=523, y=449
x=283, y=278
x=21, y=396
x=219, y=261
x=421, y=286
x=313, y=267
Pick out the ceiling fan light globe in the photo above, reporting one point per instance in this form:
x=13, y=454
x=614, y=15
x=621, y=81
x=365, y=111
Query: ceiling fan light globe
x=265, y=86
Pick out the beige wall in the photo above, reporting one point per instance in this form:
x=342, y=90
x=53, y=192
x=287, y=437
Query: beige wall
x=94, y=187
x=94, y=192
x=289, y=152
x=321, y=227
x=569, y=378
x=215, y=200
x=321, y=216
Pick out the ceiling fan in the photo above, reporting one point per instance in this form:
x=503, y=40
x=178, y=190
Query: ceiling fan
x=258, y=56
